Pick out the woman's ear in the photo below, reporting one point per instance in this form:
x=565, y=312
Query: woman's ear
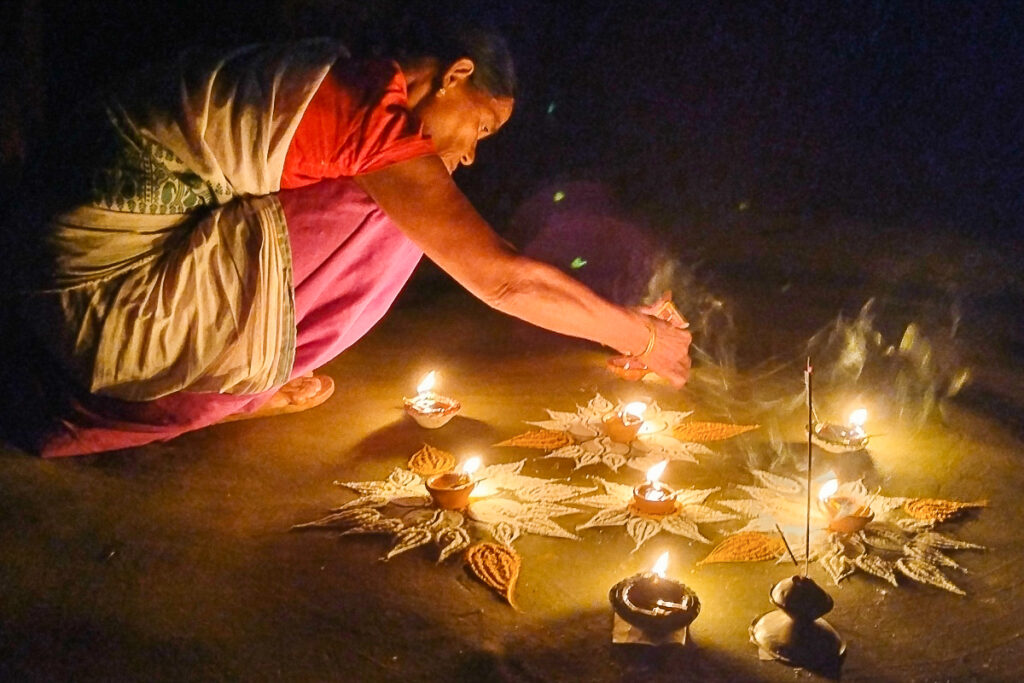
x=458, y=72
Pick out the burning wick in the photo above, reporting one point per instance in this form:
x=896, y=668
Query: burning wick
x=429, y=409
x=451, y=490
x=623, y=425
x=659, y=568
x=425, y=401
x=661, y=564
x=856, y=423
x=652, y=497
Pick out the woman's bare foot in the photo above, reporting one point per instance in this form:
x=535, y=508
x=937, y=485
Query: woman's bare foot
x=301, y=393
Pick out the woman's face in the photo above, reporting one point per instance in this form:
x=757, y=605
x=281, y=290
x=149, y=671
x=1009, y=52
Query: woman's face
x=461, y=116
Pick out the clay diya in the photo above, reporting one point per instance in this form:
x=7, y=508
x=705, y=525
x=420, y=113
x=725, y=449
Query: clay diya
x=652, y=497
x=846, y=515
x=624, y=424
x=451, y=490
x=629, y=368
x=430, y=410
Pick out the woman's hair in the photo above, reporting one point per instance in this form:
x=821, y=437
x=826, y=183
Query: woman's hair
x=447, y=42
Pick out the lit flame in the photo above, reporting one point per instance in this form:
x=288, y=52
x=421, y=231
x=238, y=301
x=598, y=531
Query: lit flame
x=484, y=488
x=636, y=408
x=427, y=383
x=858, y=417
x=654, y=474
x=471, y=465
x=828, y=489
x=661, y=565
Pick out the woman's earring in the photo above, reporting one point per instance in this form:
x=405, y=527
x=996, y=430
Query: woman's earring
x=440, y=93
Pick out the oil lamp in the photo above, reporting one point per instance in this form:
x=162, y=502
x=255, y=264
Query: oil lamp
x=659, y=608
x=845, y=438
x=624, y=424
x=629, y=368
x=652, y=497
x=846, y=514
x=450, y=490
x=431, y=410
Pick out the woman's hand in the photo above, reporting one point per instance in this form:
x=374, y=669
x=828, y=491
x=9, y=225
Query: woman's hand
x=670, y=355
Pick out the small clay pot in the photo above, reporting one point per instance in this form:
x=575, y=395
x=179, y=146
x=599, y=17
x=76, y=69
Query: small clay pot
x=443, y=410
x=621, y=429
x=450, y=490
x=664, y=506
x=629, y=368
x=847, y=524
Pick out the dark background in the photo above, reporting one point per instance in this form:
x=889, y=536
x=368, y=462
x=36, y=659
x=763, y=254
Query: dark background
x=692, y=111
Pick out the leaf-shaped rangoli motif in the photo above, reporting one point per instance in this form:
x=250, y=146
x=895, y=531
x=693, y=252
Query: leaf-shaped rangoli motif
x=497, y=566
x=407, y=539
x=938, y=510
x=641, y=530
x=703, y=432
x=428, y=461
x=750, y=546
x=542, y=439
x=451, y=540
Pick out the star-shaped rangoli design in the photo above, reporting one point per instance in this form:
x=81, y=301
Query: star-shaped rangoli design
x=505, y=504
x=617, y=509
x=895, y=542
x=655, y=442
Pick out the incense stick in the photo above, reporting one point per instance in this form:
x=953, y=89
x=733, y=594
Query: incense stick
x=810, y=431
x=786, y=543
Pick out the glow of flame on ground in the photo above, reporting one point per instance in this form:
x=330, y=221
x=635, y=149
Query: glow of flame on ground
x=828, y=489
x=637, y=408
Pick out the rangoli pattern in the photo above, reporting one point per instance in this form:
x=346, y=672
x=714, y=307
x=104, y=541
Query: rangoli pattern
x=898, y=538
x=893, y=543
x=617, y=509
x=505, y=505
x=590, y=445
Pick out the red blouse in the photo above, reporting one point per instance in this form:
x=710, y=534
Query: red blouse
x=358, y=121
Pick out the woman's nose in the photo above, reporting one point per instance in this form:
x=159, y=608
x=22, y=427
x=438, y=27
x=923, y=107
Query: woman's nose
x=468, y=157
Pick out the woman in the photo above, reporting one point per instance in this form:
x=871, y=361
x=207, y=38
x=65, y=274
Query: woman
x=238, y=221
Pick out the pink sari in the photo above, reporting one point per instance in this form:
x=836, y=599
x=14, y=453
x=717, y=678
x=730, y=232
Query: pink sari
x=349, y=263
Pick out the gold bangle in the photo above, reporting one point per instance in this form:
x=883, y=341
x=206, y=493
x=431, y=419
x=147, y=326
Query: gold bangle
x=650, y=340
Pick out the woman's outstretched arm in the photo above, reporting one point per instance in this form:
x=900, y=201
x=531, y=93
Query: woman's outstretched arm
x=423, y=201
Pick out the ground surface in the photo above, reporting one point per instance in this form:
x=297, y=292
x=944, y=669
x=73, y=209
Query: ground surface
x=175, y=561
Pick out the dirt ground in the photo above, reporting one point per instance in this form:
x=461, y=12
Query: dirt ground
x=175, y=561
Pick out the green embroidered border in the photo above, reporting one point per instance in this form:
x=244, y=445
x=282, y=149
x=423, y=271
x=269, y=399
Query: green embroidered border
x=145, y=177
